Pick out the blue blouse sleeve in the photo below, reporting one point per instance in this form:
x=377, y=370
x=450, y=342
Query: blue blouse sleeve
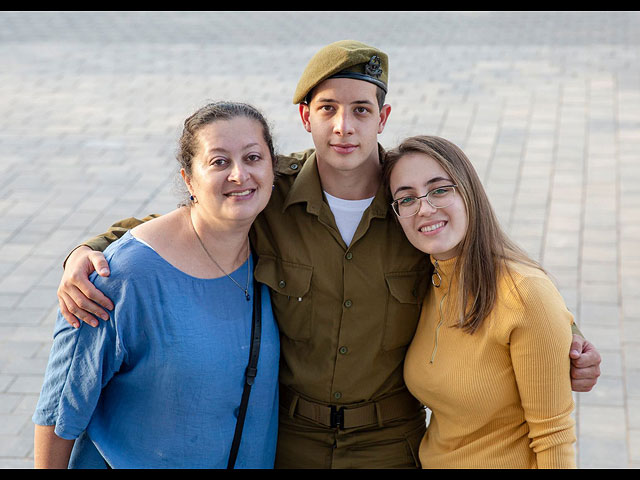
x=81, y=363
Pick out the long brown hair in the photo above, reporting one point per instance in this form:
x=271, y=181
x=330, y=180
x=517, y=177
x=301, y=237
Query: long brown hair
x=486, y=250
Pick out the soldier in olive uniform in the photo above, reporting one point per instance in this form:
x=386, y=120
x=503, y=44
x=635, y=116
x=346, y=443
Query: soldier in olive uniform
x=345, y=283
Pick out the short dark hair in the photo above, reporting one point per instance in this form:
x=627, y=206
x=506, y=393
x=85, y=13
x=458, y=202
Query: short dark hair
x=381, y=95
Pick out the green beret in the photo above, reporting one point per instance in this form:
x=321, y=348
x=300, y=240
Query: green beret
x=344, y=59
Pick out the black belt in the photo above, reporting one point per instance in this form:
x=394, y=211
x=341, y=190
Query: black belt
x=375, y=413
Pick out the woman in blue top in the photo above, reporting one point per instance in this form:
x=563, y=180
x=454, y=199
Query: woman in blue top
x=159, y=385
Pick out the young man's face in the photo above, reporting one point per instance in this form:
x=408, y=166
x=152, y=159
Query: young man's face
x=344, y=120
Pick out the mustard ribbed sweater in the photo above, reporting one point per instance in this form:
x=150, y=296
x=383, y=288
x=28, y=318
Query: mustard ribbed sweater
x=500, y=398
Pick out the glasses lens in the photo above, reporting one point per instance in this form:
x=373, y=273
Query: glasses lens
x=406, y=206
x=441, y=197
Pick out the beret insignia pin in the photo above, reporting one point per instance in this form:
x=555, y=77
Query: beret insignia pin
x=373, y=68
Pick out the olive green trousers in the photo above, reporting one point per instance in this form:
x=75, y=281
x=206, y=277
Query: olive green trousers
x=304, y=444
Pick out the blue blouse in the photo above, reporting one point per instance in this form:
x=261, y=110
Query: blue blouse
x=159, y=384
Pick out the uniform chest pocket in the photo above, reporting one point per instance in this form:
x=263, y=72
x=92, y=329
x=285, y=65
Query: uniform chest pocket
x=291, y=298
x=406, y=292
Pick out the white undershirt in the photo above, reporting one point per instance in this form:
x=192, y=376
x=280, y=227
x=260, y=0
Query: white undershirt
x=347, y=214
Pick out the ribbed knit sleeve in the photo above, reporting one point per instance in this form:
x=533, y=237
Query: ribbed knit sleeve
x=539, y=342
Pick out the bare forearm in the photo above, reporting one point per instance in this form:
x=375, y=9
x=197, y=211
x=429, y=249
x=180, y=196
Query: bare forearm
x=50, y=451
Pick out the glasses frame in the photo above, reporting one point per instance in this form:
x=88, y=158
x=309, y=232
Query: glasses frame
x=394, y=204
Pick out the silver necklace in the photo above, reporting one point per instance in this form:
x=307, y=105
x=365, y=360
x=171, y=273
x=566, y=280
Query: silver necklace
x=245, y=289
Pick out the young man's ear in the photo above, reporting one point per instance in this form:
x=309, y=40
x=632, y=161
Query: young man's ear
x=303, y=108
x=385, y=111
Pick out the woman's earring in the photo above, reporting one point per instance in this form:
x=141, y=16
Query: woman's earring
x=193, y=199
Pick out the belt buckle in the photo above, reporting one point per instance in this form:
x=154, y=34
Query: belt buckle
x=337, y=417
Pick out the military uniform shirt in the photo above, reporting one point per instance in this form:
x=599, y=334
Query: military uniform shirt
x=346, y=313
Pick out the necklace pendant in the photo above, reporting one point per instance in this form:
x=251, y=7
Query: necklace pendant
x=248, y=297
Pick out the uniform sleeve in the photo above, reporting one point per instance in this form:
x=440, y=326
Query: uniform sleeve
x=117, y=230
x=81, y=363
x=539, y=346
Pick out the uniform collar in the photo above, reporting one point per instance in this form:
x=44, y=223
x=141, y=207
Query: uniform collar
x=307, y=188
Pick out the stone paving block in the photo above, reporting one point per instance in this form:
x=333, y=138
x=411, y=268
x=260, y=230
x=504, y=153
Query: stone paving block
x=610, y=449
x=40, y=298
x=631, y=307
x=634, y=412
x=8, y=403
x=563, y=276
x=10, y=425
x=634, y=448
x=599, y=314
x=598, y=453
x=632, y=383
x=17, y=449
x=601, y=292
x=17, y=283
x=595, y=270
x=631, y=351
x=631, y=331
x=27, y=384
x=609, y=391
x=560, y=257
x=612, y=366
x=605, y=337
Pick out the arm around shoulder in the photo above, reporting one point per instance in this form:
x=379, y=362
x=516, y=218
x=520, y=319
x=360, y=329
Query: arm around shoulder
x=101, y=242
x=78, y=298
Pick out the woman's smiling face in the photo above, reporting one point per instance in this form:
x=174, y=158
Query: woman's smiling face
x=232, y=174
x=436, y=231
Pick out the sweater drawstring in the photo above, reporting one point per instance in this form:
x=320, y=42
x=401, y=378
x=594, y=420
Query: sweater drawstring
x=435, y=345
x=439, y=282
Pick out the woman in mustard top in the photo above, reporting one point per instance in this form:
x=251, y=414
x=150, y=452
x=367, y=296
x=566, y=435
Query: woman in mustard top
x=490, y=355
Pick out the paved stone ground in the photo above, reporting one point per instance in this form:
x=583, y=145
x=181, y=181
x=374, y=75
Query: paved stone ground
x=546, y=104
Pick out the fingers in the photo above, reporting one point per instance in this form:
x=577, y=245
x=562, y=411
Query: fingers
x=84, y=294
x=99, y=263
x=582, y=385
x=577, y=345
x=589, y=357
x=584, y=379
x=585, y=364
x=587, y=373
x=68, y=316
x=75, y=306
x=78, y=298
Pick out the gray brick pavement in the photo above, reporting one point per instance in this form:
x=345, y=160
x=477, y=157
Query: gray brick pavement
x=546, y=104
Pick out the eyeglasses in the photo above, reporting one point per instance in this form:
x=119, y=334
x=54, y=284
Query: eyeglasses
x=440, y=197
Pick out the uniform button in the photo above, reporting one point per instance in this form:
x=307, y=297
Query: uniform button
x=343, y=350
x=348, y=303
x=282, y=284
x=294, y=166
x=337, y=395
x=349, y=256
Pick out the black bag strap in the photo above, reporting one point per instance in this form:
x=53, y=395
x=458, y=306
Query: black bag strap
x=251, y=372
